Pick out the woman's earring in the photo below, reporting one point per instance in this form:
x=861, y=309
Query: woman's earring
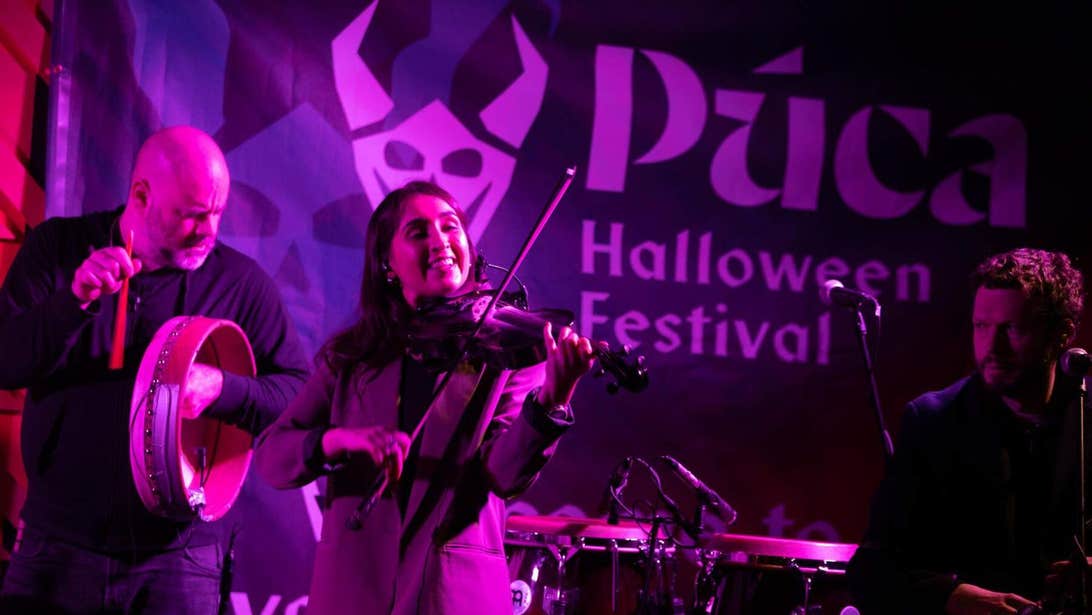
x=480, y=264
x=391, y=279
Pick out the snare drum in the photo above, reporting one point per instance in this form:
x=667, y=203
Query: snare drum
x=760, y=575
x=575, y=566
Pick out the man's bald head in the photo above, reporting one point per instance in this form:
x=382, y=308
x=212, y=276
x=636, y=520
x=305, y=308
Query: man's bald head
x=186, y=156
x=177, y=194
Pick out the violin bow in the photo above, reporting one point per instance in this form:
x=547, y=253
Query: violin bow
x=543, y=217
x=379, y=484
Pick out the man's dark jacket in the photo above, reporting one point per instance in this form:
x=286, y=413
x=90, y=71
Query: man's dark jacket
x=974, y=495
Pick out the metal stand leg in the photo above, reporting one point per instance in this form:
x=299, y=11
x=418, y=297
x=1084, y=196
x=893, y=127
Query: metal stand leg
x=705, y=585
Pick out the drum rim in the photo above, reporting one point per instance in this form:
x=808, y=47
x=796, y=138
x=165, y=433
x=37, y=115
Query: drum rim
x=789, y=549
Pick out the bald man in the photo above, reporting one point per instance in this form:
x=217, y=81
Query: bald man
x=87, y=544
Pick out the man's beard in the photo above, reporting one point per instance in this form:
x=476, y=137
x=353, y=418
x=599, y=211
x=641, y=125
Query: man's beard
x=186, y=259
x=1017, y=380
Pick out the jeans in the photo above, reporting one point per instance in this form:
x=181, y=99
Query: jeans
x=48, y=576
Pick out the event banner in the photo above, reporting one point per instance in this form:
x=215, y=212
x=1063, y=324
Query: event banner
x=731, y=157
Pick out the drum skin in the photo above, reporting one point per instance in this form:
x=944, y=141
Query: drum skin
x=187, y=469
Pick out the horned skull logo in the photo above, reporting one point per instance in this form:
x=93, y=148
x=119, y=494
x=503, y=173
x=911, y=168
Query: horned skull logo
x=432, y=143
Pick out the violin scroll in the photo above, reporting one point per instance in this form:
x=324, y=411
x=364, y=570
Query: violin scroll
x=629, y=374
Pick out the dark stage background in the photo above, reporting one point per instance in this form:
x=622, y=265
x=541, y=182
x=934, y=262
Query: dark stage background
x=732, y=155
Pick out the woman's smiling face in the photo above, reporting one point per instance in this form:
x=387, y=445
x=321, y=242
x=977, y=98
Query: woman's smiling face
x=429, y=253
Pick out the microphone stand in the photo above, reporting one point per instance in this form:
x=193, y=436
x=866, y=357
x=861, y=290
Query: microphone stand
x=649, y=602
x=699, y=519
x=1079, y=560
x=862, y=339
x=661, y=601
x=1082, y=531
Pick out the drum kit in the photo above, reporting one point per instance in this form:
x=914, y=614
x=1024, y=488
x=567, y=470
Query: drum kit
x=577, y=566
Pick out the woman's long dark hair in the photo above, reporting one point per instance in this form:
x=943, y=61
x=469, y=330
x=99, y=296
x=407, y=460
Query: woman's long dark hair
x=379, y=336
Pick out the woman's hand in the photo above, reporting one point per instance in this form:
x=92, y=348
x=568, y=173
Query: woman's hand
x=567, y=360
x=384, y=446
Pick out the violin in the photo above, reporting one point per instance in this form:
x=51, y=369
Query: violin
x=510, y=337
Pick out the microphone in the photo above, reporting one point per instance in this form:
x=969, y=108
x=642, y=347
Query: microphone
x=1076, y=362
x=621, y=474
x=707, y=496
x=834, y=292
x=615, y=485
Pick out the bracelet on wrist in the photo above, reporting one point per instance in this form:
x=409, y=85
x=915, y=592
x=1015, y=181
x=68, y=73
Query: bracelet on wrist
x=554, y=411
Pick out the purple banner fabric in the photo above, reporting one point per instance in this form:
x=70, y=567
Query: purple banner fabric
x=732, y=158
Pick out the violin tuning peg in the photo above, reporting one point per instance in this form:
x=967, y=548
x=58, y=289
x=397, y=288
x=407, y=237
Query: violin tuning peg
x=598, y=372
x=612, y=388
x=641, y=361
x=626, y=350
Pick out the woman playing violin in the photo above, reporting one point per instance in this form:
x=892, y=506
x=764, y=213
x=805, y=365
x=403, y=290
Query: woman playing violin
x=433, y=543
